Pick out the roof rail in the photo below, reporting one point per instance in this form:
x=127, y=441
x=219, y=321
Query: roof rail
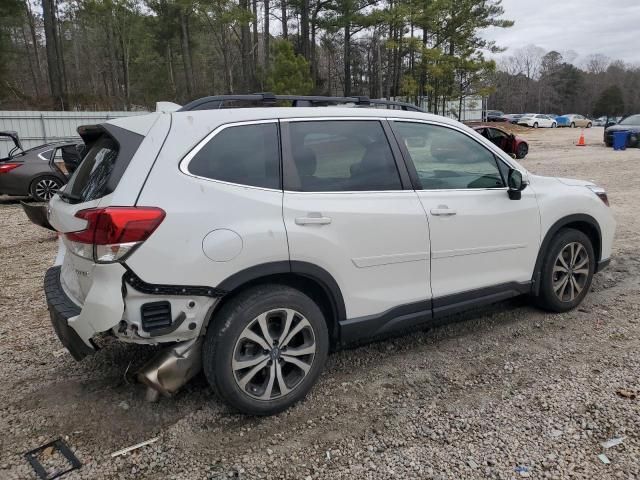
x=270, y=100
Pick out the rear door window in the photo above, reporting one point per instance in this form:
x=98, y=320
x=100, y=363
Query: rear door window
x=243, y=154
x=342, y=155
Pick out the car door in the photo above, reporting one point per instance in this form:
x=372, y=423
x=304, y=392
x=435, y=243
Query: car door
x=347, y=212
x=481, y=240
x=501, y=139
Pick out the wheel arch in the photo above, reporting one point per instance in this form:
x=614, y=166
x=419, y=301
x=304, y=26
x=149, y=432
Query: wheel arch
x=581, y=222
x=306, y=277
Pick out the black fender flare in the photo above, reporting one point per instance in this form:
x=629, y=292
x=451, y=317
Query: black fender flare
x=305, y=269
x=553, y=230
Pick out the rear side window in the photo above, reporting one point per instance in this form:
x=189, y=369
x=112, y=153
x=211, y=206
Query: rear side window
x=342, y=155
x=90, y=179
x=245, y=154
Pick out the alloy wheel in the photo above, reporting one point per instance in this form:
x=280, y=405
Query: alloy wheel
x=570, y=272
x=273, y=354
x=46, y=188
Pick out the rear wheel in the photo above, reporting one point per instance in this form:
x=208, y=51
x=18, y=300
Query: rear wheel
x=266, y=349
x=589, y=125
x=535, y=125
x=573, y=124
x=567, y=271
x=44, y=188
x=522, y=151
x=554, y=125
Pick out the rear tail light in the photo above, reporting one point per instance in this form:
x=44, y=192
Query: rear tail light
x=113, y=233
x=7, y=167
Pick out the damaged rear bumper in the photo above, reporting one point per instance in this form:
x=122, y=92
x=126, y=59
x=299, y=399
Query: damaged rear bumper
x=61, y=309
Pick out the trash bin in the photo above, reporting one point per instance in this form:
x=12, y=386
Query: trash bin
x=620, y=139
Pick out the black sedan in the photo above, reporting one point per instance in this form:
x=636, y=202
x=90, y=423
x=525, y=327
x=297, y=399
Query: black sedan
x=40, y=171
x=630, y=123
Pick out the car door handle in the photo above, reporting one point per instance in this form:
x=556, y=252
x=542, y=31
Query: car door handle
x=443, y=212
x=313, y=220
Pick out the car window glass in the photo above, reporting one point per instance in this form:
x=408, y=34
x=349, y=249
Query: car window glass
x=90, y=179
x=46, y=155
x=347, y=155
x=447, y=159
x=245, y=154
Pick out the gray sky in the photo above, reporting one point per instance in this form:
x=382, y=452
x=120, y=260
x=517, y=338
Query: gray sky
x=609, y=27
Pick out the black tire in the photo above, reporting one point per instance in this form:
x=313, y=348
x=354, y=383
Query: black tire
x=573, y=124
x=548, y=297
x=554, y=125
x=589, y=125
x=522, y=151
x=223, y=342
x=43, y=188
x=535, y=125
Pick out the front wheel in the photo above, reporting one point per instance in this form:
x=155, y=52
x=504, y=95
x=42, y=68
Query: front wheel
x=44, y=188
x=573, y=124
x=265, y=349
x=554, y=125
x=567, y=271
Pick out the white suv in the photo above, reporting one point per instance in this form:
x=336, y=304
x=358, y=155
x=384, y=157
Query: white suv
x=251, y=241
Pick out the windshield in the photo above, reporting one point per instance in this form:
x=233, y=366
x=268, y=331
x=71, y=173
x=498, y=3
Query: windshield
x=632, y=120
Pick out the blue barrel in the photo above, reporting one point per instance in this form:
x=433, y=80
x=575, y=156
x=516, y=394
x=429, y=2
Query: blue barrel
x=620, y=139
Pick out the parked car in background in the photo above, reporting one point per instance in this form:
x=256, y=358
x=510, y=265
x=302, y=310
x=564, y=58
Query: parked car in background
x=514, y=117
x=574, y=120
x=536, y=120
x=40, y=171
x=510, y=143
x=600, y=122
x=630, y=123
x=496, y=116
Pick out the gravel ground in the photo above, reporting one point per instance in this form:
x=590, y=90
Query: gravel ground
x=506, y=392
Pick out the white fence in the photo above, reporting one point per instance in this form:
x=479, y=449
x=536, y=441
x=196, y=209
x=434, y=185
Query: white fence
x=36, y=128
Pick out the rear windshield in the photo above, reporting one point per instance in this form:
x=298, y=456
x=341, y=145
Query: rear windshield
x=89, y=181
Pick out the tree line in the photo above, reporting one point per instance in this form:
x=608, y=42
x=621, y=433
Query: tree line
x=128, y=54
x=534, y=80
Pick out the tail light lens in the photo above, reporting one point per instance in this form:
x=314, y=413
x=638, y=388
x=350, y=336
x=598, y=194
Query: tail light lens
x=7, y=167
x=113, y=233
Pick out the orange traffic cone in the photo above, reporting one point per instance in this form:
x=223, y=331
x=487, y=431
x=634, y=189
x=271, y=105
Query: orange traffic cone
x=581, y=141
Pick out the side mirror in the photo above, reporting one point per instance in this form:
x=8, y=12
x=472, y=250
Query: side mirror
x=516, y=184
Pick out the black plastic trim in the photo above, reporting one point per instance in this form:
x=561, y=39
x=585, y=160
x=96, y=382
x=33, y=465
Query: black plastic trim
x=602, y=264
x=555, y=228
x=460, y=302
x=269, y=100
x=397, y=319
x=158, y=289
x=61, y=308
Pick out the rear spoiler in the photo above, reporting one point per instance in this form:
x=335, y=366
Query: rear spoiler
x=37, y=214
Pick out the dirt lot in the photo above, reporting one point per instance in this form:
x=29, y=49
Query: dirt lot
x=506, y=392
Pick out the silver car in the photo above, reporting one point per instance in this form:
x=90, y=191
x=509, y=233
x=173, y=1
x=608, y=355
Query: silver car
x=37, y=172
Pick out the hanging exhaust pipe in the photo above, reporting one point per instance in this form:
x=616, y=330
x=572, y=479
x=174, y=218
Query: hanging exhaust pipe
x=171, y=368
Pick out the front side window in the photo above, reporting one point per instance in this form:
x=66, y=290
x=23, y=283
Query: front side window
x=344, y=155
x=447, y=159
x=244, y=154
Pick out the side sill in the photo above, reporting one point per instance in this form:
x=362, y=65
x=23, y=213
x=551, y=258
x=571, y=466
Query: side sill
x=397, y=319
x=461, y=302
x=425, y=313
